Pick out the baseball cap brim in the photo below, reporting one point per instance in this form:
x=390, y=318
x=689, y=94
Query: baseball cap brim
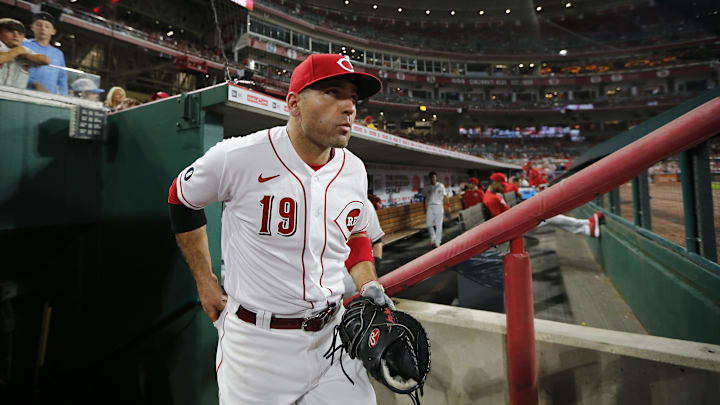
x=367, y=84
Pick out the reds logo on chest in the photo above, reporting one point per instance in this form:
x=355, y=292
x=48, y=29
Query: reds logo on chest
x=349, y=217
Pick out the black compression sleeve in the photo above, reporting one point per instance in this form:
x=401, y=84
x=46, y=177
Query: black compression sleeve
x=184, y=219
x=378, y=261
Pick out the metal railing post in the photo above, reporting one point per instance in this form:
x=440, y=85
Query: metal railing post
x=614, y=201
x=522, y=370
x=702, y=183
x=641, y=201
x=688, y=196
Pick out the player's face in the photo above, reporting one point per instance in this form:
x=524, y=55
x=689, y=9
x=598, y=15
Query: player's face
x=327, y=111
x=43, y=30
x=433, y=179
x=11, y=38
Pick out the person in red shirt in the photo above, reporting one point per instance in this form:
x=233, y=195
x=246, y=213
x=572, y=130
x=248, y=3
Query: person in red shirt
x=493, y=199
x=375, y=200
x=472, y=195
x=495, y=203
x=534, y=177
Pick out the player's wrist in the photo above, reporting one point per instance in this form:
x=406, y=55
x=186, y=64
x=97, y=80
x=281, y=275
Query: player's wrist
x=208, y=282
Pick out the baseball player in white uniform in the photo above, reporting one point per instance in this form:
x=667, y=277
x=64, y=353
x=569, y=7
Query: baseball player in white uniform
x=294, y=222
x=435, y=195
x=587, y=227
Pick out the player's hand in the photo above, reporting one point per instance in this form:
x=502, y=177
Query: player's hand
x=376, y=292
x=19, y=51
x=212, y=297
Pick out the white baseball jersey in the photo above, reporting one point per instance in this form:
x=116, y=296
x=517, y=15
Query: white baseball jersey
x=434, y=194
x=374, y=231
x=284, y=225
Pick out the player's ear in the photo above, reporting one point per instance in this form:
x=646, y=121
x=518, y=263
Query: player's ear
x=293, y=100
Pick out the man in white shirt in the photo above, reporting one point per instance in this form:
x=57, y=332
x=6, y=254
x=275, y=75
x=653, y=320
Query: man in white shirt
x=435, y=195
x=294, y=220
x=15, y=59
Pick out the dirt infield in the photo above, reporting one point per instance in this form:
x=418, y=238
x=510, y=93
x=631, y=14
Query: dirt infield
x=666, y=206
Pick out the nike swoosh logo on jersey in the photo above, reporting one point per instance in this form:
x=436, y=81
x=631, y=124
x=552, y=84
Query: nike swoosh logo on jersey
x=262, y=179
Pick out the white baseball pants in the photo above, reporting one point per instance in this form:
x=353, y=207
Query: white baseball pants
x=570, y=224
x=276, y=366
x=434, y=223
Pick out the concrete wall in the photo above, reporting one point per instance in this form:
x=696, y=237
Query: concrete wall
x=576, y=364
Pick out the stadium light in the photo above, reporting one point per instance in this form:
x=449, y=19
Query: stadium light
x=481, y=12
x=538, y=9
x=563, y=52
x=73, y=1
x=532, y=65
x=58, y=43
x=507, y=11
x=170, y=33
x=374, y=6
x=568, y=5
x=382, y=113
x=452, y=12
x=347, y=2
x=423, y=108
x=521, y=65
x=427, y=12
x=399, y=9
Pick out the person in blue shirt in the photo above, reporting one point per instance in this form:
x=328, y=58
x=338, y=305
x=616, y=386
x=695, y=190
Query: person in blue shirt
x=46, y=78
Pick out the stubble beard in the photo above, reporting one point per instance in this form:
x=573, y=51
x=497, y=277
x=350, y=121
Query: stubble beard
x=324, y=138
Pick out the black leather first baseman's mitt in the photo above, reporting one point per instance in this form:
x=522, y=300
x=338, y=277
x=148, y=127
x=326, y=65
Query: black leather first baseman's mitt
x=392, y=345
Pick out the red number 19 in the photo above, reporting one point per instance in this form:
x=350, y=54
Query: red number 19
x=288, y=214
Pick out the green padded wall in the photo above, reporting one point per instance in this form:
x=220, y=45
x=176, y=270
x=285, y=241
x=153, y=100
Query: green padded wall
x=84, y=231
x=673, y=293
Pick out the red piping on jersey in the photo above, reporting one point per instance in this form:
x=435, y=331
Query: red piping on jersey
x=302, y=259
x=186, y=200
x=322, y=266
x=222, y=354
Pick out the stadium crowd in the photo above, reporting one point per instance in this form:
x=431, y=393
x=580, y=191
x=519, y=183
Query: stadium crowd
x=645, y=26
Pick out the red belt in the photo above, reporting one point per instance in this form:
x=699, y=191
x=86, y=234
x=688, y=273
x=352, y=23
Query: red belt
x=311, y=324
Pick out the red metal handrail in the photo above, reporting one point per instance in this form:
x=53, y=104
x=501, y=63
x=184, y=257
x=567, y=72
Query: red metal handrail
x=607, y=174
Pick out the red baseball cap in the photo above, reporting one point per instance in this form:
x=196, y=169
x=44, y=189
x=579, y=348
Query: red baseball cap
x=474, y=181
x=319, y=67
x=498, y=177
x=158, y=95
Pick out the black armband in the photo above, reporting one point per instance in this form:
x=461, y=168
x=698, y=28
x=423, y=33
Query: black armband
x=184, y=219
x=378, y=261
